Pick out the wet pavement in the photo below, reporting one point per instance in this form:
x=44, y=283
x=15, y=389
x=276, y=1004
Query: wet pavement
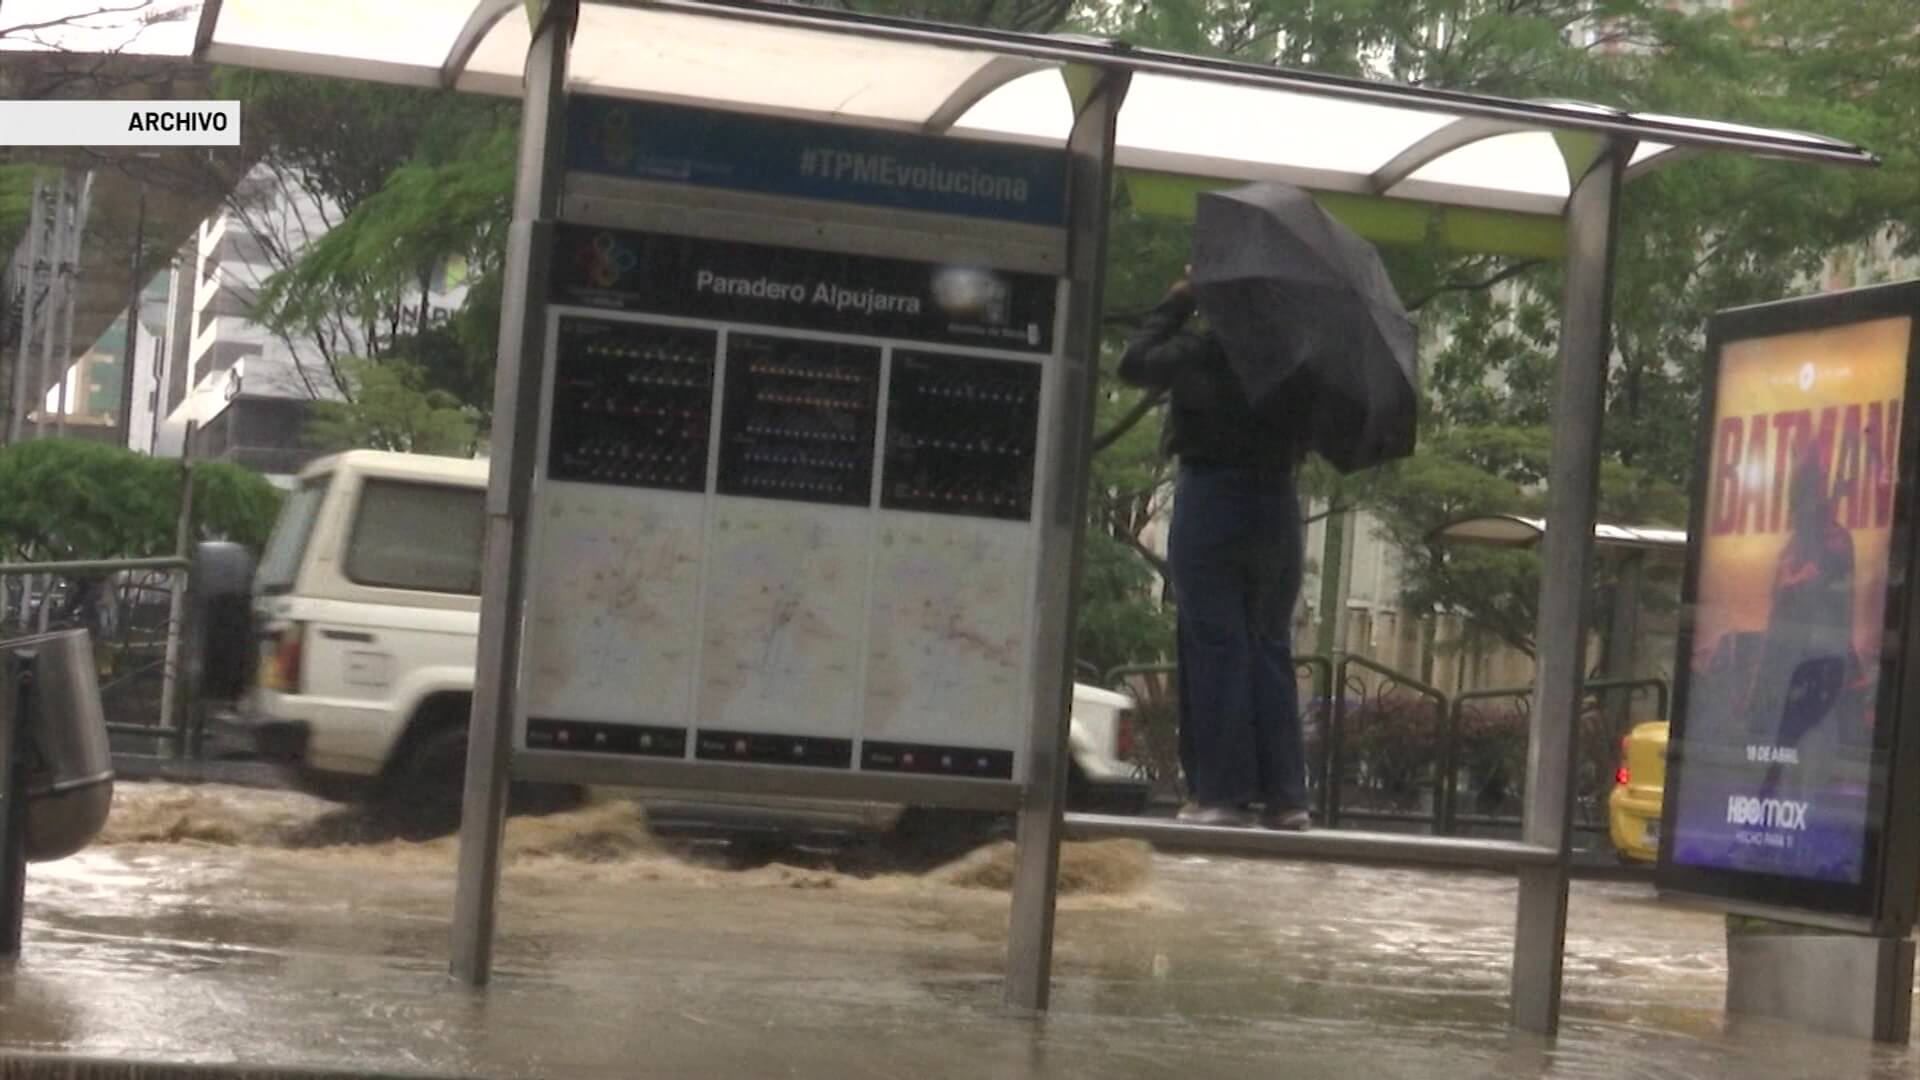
x=220, y=927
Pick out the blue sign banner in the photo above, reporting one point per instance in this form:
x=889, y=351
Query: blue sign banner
x=765, y=155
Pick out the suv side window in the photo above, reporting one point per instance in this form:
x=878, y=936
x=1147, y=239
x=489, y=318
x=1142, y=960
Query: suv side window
x=421, y=537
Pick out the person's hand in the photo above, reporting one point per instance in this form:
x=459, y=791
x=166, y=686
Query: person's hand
x=1183, y=285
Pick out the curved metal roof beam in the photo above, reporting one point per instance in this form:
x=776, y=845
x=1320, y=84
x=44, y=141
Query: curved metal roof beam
x=992, y=75
x=1660, y=159
x=1463, y=132
x=486, y=15
x=203, y=30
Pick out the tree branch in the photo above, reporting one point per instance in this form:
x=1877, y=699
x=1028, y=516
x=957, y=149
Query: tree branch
x=1154, y=559
x=1126, y=423
x=1513, y=270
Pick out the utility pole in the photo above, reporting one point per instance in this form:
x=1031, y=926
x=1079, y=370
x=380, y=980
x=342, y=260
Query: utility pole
x=136, y=290
x=56, y=248
x=17, y=415
x=82, y=202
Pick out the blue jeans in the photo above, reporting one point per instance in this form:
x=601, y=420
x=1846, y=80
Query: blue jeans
x=1235, y=553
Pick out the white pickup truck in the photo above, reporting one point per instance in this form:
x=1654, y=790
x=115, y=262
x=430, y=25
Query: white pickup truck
x=366, y=603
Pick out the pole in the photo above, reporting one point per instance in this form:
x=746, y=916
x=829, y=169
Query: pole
x=1623, y=637
x=1343, y=614
x=135, y=290
x=81, y=204
x=16, y=712
x=1573, y=481
x=1063, y=496
x=516, y=417
x=55, y=250
x=17, y=417
x=176, y=608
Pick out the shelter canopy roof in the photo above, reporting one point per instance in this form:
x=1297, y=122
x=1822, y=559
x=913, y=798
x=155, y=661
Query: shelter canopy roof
x=1183, y=116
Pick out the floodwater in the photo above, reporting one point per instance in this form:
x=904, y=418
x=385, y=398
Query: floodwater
x=216, y=926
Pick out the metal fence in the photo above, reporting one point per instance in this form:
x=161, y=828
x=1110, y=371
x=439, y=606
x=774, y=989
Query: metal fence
x=132, y=610
x=1390, y=748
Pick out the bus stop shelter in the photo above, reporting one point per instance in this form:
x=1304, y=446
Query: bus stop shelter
x=1403, y=165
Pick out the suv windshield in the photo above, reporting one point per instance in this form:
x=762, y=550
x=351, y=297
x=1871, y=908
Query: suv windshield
x=280, y=562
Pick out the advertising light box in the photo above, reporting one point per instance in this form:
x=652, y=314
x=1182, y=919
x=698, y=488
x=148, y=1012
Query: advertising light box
x=1787, y=788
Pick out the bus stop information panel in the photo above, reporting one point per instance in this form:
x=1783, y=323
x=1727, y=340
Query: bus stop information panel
x=785, y=509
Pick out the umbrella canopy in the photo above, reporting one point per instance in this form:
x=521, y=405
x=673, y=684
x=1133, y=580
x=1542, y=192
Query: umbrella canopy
x=1303, y=305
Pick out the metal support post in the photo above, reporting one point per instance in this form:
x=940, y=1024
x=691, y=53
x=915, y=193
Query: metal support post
x=16, y=711
x=17, y=417
x=1573, y=484
x=1335, y=733
x=177, y=584
x=1098, y=95
x=516, y=415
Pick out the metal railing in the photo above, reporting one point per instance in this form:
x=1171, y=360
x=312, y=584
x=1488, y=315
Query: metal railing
x=1599, y=735
x=1389, y=737
x=125, y=652
x=1379, y=774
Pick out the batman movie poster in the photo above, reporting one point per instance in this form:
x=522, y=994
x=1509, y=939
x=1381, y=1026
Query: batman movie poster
x=1790, y=593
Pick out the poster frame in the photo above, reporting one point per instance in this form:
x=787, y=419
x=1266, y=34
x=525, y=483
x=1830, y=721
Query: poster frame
x=1883, y=902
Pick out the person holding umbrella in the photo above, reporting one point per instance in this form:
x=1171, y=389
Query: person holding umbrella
x=1306, y=348
x=1234, y=554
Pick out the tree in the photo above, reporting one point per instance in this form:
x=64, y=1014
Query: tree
x=367, y=235
x=64, y=499
x=392, y=407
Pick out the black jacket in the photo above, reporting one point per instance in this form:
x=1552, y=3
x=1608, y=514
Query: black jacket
x=1209, y=420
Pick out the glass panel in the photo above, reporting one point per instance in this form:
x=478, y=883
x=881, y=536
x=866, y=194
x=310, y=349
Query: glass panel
x=741, y=64
x=280, y=562
x=416, y=33
x=425, y=537
x=1165, y=115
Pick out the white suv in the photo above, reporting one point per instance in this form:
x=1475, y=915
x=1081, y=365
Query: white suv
x=367, y=602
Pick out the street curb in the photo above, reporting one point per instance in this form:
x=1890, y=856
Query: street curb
x=32, y=1066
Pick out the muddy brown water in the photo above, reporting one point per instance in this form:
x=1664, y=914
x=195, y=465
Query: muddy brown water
x=235, y=928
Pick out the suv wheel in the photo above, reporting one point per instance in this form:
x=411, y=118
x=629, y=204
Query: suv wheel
x=424, y=790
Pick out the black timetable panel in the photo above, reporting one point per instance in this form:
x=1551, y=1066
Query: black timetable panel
x=799, y=420
x=632, y=405
x=961, y=433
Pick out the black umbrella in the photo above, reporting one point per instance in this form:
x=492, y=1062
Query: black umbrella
x=1303, y=305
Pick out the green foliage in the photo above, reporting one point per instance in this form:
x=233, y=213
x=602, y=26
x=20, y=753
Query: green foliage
x=231, y=502
x=66, y=499
x=394, y=408
x=422, y=184
x=1118, y=621
x=16, y=201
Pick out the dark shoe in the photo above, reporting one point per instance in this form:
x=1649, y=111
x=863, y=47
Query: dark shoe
x=1287, y=821
x=1230, y=817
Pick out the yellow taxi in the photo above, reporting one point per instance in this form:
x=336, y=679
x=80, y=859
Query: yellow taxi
x=1633, y=808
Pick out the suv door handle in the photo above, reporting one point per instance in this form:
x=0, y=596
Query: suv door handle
x=347, y=635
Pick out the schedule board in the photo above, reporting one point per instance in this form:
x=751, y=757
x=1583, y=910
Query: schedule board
x=785, y=508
